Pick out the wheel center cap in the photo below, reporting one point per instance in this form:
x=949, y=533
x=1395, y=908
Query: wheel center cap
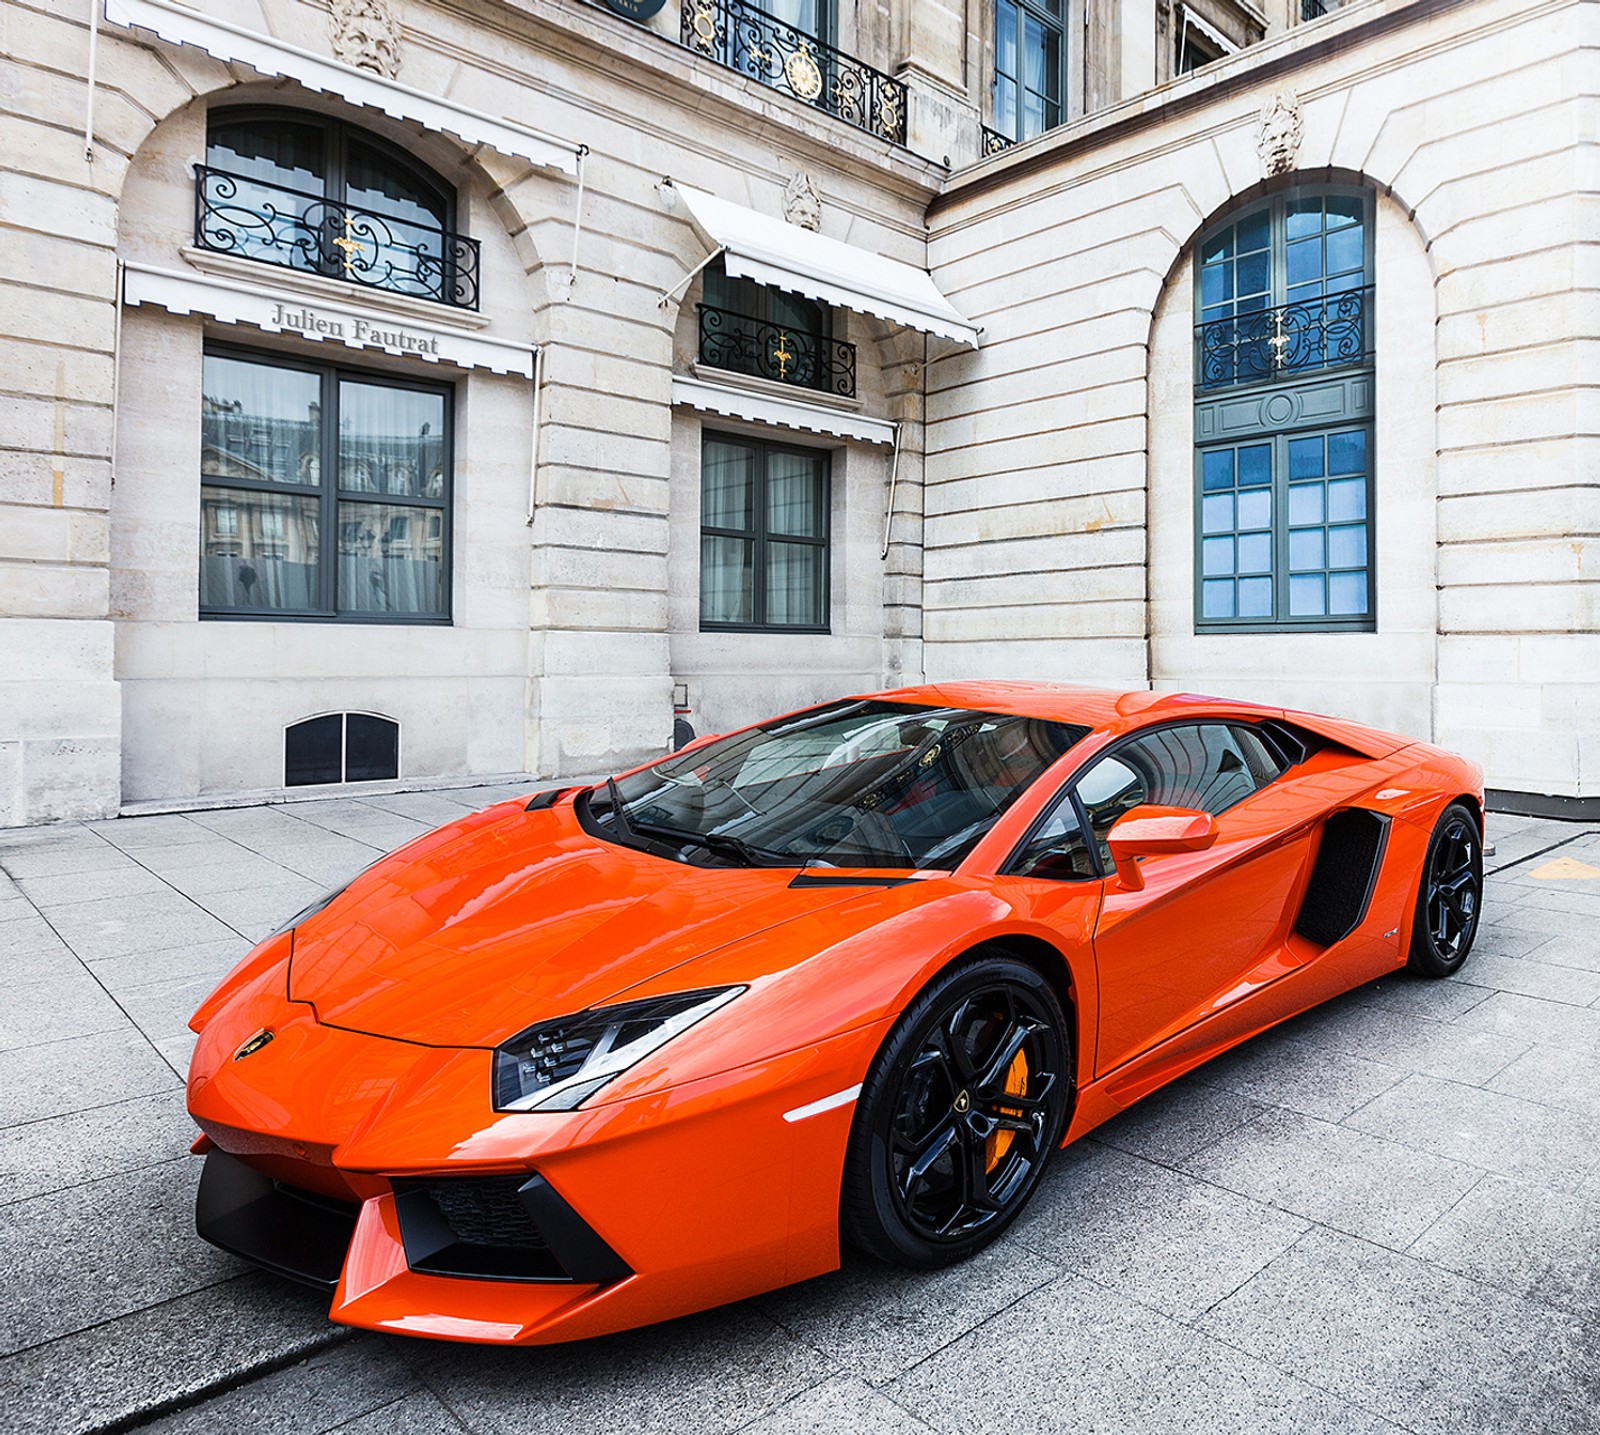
x=963, y=1103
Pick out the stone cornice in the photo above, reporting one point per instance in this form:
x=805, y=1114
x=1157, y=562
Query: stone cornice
x=1246, y=71
x=594, y=38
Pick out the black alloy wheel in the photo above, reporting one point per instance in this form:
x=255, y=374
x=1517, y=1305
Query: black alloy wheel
x=1451, y=894
x=958, y=1115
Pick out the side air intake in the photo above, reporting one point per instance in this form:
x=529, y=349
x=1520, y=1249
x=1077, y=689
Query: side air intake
x=1343, y=879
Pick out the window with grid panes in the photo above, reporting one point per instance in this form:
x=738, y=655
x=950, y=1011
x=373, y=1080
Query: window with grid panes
x=1284, y=402
x=1029, y=66
x=763, y=535
x=324, y=492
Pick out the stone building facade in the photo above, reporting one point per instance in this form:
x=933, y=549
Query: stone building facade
x=398, y=390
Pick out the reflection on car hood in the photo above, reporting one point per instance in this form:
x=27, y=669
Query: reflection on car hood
x=483, y=928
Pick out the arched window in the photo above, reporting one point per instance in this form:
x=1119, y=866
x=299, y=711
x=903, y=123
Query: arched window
x=341, y=747
x=1284, y=395
x=314, y=194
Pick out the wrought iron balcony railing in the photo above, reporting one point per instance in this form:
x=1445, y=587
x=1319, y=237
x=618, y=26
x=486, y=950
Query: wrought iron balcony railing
x=747, y=345
x=271, y=223
x=748, y=39
x=1266, y=344
x=994, y=141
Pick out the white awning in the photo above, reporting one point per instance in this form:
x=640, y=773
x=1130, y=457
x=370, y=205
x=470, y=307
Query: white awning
x=354, y=325
x=772, y=251
x=740, y=403
x=1210, y=31
x=227, y=42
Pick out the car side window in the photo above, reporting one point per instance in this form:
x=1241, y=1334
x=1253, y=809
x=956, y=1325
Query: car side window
x=1057, y=849
x=1197, y=765
x=1107, y=790
x=1263, y=761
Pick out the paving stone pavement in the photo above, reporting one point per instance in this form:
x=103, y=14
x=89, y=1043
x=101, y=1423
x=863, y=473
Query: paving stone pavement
x=1382, y=1216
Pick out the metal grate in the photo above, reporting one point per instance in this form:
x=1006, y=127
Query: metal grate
x=273, y=224
x=748, y=39
x=745, y=344
x=486, y=1211
x=994, y=142
x=1271, y=344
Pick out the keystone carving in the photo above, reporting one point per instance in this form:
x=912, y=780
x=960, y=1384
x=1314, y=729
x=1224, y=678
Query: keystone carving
x=366, y=34
x=1278, y=133
x=802, y=204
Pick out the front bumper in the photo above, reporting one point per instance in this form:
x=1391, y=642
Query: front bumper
x=378, y=1168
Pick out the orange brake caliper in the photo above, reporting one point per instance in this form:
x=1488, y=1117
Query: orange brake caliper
x=1016, y=1085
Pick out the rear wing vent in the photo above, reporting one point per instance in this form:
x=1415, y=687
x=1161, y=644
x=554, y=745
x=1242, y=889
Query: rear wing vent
x=1345, y=874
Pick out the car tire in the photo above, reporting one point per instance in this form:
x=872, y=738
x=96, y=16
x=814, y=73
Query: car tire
x=964, y=1103
x=1449, y=895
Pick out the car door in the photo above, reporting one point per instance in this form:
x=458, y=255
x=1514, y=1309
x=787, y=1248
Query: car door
x=1208, y=927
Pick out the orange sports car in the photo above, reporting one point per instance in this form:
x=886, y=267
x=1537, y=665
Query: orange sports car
x=619, y=1052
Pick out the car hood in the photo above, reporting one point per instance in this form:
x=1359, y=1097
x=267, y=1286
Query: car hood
x=485, y=927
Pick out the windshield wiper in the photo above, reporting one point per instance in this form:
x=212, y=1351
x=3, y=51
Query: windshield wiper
x=619, y=813
x=750, y=855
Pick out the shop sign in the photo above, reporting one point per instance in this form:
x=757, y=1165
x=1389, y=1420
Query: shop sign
x=351, y=329
x=636, y=9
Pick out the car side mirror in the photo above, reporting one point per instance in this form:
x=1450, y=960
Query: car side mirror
x=1152, y=831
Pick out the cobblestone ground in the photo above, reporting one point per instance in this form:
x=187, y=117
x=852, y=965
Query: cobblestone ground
x=1384, y=1215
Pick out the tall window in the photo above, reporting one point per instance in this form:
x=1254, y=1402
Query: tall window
x=763, y=536
x=324, y=492
x=1029, y=66
x=310, y=193
x=1284, y=395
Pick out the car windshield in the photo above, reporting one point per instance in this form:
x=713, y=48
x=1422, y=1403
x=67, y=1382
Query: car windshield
x=857, y=784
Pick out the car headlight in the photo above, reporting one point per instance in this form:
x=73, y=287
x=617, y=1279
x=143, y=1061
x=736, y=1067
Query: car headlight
x=557, y=1065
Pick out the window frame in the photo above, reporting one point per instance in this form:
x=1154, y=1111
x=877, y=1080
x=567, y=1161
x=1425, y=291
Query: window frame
x=330, y=495
x=1068, y=790
x=337, y=134
x=1062, y=25
x=758, y=536
x=344, y=715
x=1279, y=435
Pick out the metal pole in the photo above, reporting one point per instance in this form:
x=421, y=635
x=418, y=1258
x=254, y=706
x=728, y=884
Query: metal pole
x=94, y=55
x=533, y=442
x=894, y=478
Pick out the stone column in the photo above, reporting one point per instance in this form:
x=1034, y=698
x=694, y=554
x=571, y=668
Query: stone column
x=600, y=686
x=60, y=715
x=942, y=121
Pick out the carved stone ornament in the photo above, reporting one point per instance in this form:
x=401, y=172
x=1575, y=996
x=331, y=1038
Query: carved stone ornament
x=802, y=204
x=366, y=34
x=1278, y=133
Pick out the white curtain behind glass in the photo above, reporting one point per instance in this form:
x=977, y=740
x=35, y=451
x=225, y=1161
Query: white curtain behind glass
x=391, y=556
x=727, y=587
x=794, y=503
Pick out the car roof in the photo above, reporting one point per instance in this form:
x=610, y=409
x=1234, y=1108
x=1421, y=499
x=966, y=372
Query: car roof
x=1097, y=708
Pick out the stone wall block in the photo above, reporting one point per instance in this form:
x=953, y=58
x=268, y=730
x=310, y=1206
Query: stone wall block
x=40, y=590
x=1515, y=419
x=1478, y=659
x=1539, y=514
x=1509, y=608
x=1553, y=658
x=30, y=424
x=1111, y=548
x=1543, y=368
x=1097, y=662
x=608, y=610
x=1542, y=560
x=1514, y=279
x=1062, y=621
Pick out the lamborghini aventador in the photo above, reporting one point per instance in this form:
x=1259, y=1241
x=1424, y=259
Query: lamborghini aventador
x=621, y=1051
